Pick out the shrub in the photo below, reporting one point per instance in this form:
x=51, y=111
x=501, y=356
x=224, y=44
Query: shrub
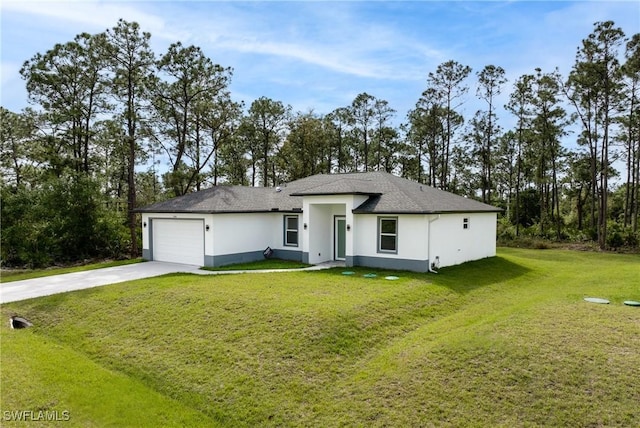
x=64, y=221
x=615, y=240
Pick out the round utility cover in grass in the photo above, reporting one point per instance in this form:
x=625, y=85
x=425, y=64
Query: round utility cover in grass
x=391, y=278
x=596, y=300
x=370, y=275
x=348, y=272
x=631, y=303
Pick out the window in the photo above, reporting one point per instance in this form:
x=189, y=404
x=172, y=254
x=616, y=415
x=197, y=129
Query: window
x=291, y=230
x=387, y=234
x=465, y=223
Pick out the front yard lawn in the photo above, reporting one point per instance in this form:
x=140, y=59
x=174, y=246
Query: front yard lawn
x=8, y=275
x=507, y=341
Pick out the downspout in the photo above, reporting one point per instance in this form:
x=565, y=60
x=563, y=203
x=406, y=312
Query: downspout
x=429, y=243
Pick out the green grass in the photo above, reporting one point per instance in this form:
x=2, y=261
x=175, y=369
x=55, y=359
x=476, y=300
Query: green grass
x=507, y=341
x=261, y=264
x=21, y=274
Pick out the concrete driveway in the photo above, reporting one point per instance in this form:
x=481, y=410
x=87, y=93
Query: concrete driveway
x=37, y=287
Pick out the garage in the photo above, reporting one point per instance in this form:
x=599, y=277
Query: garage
x=178, y=241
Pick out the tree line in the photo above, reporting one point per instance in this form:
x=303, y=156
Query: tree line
x=113, y=126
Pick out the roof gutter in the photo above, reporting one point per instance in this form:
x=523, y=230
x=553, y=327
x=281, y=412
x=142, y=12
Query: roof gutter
x=271, y=210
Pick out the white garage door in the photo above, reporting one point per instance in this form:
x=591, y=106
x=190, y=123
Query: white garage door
x=178, y=241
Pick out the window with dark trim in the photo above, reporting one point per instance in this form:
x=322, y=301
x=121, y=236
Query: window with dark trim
x=291, y=230
x=387, y=234
x=465, y=223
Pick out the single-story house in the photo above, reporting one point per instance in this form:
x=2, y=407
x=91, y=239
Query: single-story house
x=372, y=219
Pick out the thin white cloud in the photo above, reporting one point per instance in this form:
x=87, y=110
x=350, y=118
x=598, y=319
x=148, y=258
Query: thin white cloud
x=334, y=38
x=332, y=60
x=298, y=52
x=90, y=16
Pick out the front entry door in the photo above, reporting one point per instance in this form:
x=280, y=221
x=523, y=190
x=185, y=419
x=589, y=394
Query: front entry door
x=340, y=237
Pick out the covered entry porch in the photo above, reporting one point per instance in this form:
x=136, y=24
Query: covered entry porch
x=328, y=227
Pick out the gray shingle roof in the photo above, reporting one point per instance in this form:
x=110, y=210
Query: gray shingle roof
x=228, y=199
x=387, y=194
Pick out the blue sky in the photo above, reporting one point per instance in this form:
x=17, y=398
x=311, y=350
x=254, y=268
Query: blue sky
x=320, y=55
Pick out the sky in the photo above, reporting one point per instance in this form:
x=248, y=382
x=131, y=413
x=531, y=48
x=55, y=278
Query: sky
x=319, y=55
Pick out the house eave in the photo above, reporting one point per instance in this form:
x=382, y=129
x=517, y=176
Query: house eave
x=395, y=212
x=335, y=194
x=264, y=211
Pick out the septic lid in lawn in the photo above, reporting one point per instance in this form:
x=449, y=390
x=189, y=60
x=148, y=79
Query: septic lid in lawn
x=391, y=278
x=631, y=303
x=348, y=272
x=596, y=300
x=370, y=275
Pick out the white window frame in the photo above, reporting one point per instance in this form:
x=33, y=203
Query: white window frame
x=381, y=234
x=287, y=230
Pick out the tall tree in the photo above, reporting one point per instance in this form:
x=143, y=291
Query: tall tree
x=382, y=114
x=221, y=122
x=592, y=88
x=68, y=83
x=306, y=149
x=265, y=127
x=478, y=137
x=342, y=121
x=490, y=82
x=629, y=134
x=189, y=105
x=549, y=125
x=18, y=147
x=131, y=62
x=426, y=134
x=506, y=161
x=578, y=179
x=448, y=82
x=520, y=105
x=362, y=112
x=233, y=158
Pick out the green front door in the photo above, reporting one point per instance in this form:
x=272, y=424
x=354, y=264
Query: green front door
x=340, y=237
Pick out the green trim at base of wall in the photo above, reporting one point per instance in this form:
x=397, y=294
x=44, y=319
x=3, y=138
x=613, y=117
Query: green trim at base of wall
x=388, y=263
x=248, y=257
x=292, y=255
x=208, y=261
x=230, y=259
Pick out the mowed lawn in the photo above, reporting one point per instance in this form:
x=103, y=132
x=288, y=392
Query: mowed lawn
x=507, y=341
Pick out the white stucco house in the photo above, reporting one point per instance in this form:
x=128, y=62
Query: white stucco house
x=369, y=219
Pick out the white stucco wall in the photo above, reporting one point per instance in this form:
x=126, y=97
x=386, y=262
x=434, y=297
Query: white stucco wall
x=242, y=233
x=411, y=241
x=449, y=240
x=249, y=232
x=454, y=245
